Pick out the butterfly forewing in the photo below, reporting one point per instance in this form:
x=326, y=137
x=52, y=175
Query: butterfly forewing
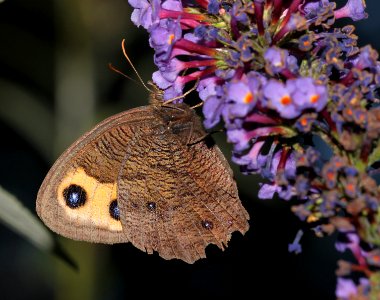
x=75, y=199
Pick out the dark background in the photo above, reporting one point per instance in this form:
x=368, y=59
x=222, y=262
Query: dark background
x=55, y=85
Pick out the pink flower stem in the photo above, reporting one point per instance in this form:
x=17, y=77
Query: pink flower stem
x=261, y=119
x=193, y=47
x=203, y=3
x=259, y=9
x=348, y=79
x=190, y=24
x=284, y=157
x=277, y=9
x=325, y=114
x=198, y=74
x=172, y=14
x=288, y=74
x=268, y=131
x=284, y=30
x=198, y=63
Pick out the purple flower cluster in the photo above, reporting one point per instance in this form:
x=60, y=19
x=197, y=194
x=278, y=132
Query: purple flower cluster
x=283, y=81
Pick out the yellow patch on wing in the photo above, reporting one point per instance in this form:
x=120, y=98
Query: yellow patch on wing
x=95, y=211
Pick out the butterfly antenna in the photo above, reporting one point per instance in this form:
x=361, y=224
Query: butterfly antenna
x=184, y=94
x=197, y=105
x=133, y=67
x=112, y=68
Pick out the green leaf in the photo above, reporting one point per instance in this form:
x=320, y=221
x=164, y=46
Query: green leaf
x=371, y=230
x=374, y=156
x=17, y=217
x=21, y=112
x=375, y=286
x=21, y=220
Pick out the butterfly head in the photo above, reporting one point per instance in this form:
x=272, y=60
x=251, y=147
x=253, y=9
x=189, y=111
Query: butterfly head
x=156, y=96
x=178, y=118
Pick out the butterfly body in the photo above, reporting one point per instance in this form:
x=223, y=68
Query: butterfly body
x=145, y=176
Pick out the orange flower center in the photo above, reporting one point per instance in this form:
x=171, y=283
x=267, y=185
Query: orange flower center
x=330, y=176
x=314, y=98
x=278, y=64
x=286, y=100
x=350, y=187
x=312, y=218
x=248, y=98
x=170, y=39
x=354, y=101
x=304, y=122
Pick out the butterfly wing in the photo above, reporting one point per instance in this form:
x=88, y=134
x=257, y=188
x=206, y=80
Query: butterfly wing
x=177, y=199
x=78, y=198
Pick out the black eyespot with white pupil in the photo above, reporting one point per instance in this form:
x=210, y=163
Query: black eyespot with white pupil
x=114, y=210
x=206, y=224
x=151, y=206
x=75, y=196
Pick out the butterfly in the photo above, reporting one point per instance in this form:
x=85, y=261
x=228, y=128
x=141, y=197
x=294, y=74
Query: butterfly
x=145, y=176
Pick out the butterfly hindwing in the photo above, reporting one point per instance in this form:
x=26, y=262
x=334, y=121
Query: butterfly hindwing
x=176, y=198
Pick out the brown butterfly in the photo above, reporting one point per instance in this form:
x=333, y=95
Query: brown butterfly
x=148, y=177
